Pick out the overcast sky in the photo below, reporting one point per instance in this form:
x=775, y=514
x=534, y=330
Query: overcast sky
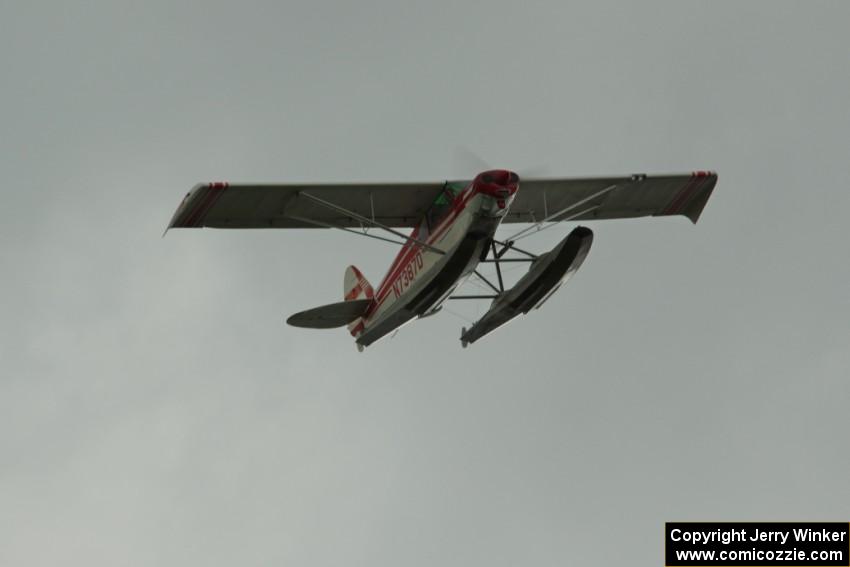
x=156, y=410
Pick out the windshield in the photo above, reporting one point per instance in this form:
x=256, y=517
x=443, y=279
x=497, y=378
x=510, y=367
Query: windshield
x=442, y=205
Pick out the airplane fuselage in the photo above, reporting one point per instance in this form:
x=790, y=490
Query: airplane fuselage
x=458, y=232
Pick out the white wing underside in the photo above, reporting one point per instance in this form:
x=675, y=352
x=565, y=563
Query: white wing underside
x=222, y=205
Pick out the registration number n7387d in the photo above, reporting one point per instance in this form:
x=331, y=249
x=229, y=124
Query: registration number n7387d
x=408, y=274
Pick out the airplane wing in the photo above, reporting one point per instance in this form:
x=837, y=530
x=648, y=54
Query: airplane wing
x=222, y=205
x=612, y=197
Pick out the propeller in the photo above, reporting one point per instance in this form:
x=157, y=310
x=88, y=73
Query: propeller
x=466, y=164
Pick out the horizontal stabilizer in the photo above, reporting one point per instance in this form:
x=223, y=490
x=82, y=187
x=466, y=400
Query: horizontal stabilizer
x=330, y=316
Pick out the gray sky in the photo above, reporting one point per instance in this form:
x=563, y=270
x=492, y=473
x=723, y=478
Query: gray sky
x=156, y=410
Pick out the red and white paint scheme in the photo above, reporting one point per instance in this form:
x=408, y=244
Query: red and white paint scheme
x=459, y=227
x=356, y=287
x=453, y=228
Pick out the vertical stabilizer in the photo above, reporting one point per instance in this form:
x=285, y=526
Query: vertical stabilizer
x=355, y=286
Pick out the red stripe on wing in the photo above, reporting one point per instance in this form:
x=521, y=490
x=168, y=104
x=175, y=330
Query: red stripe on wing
x=678, y=202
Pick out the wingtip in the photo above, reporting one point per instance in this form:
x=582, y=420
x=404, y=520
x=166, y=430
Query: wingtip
x=693, y=210
x=178, y=218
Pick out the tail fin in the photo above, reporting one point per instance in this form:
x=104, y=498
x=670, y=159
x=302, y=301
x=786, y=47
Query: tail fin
x=355, y=286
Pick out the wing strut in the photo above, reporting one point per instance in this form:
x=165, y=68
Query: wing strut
x=539, y=225
x=366, y=220
x=324, y=224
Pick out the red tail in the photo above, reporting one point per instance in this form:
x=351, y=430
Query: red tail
x=355, y=286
